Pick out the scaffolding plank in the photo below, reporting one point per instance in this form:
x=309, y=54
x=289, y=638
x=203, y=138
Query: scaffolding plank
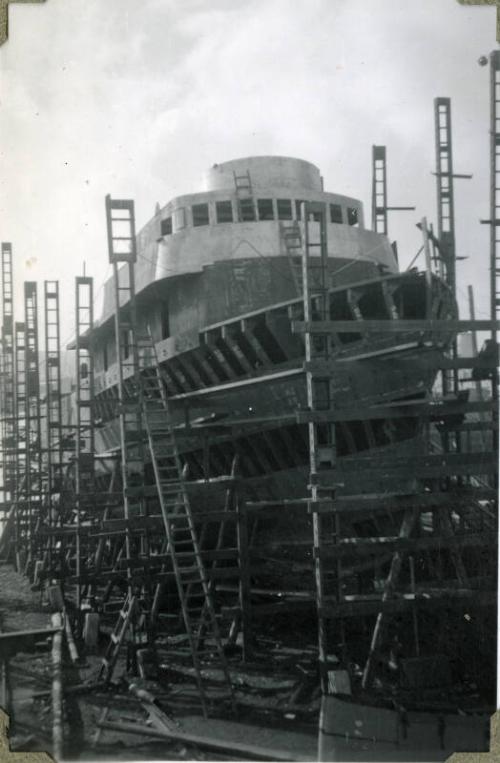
x=392, y=327
x=308, y=503
x=381, y=501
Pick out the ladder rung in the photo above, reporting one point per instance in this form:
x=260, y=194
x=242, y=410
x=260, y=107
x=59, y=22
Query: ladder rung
x=171, y=502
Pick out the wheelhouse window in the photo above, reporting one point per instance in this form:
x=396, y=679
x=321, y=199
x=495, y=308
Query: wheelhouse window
x=336, y=213
x=316, y=216
x=247, y=210
x=265, y=208
x=284, y=209
x=166, y=226
x=179, y=218
x=200, y=214
x=224, y=211
x=298, y=208
x=352, y=216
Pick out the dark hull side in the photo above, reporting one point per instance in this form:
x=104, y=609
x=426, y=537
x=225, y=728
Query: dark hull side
x=244, y=384
x=273, y=402
x=351, y=731
x=240, y=389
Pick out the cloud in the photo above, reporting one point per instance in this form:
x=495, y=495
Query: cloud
x=138, y=99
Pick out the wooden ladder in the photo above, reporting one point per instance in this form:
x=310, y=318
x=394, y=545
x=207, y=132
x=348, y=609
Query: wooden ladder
x=131, y=618
x=292, y=239
x=244, y=197
x=194, y=591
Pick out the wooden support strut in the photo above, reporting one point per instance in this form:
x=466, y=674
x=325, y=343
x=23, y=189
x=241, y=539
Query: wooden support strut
x=407, y=526
x=57, y=688
x=244, y=583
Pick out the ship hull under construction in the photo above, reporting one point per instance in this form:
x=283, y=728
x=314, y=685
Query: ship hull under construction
x=255, y=467
x=257, y=410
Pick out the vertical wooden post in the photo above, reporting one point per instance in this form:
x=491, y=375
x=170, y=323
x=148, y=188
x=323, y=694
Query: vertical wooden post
x=6, y=701
x=57, y=693
x=322, y=624
x=244, y=585
x=415, y=613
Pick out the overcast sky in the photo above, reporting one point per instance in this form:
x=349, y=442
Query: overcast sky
x=137, y=99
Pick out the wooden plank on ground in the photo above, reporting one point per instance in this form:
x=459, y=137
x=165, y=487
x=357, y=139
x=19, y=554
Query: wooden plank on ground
x=247, y=751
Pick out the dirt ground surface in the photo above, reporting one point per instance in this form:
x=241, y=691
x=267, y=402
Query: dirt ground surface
x=22, y=608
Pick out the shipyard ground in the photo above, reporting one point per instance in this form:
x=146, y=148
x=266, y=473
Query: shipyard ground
x=270, y=714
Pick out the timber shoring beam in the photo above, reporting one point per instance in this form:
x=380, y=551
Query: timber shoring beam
x=407, y=525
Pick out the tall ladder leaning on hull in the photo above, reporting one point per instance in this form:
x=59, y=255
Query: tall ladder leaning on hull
x=326, y=522
x=130, y=625
x=193, y=588
x=151, y=417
